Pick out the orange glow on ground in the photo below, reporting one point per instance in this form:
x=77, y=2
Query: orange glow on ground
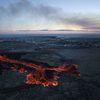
x=38, y=72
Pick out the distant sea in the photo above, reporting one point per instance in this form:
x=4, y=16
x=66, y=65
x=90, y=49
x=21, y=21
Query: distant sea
x=84, y=35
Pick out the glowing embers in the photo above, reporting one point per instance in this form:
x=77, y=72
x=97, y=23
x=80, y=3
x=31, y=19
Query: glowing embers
x=40, y=78
x=40, y=74
x=31, y=79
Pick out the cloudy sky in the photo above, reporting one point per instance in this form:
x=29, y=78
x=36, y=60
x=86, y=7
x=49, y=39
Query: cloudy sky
x=69, y=15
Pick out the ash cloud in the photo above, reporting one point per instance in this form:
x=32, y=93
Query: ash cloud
x=26, y=8
x=87, y=23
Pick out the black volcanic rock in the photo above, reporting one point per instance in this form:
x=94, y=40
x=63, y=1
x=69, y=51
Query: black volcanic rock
x=71, y=89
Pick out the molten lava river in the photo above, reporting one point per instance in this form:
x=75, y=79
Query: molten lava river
x=38, y=73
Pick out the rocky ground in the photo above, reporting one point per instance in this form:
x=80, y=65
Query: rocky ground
x=86, y=87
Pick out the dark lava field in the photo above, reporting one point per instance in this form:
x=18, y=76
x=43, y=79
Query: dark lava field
x=52, y=51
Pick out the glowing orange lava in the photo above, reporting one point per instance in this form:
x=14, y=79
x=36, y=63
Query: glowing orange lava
x=38, y=74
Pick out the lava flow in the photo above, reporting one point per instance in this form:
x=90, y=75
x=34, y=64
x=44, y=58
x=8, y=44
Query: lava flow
x=37, y=73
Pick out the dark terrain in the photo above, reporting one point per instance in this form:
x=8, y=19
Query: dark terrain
x=52, y=51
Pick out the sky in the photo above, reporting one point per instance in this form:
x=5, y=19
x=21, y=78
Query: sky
x=50, y=15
